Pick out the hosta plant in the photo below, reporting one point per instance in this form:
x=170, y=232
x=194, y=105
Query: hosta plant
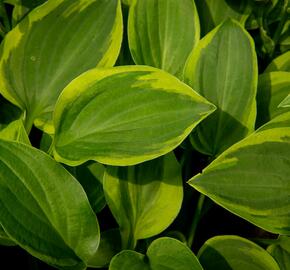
x=145, y=134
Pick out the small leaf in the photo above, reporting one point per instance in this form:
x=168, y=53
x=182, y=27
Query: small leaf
x=110, y=245
x=8, y=113
x=212, y=12
x=52, y=45
x=236, y=253
x=39, y=210
x=145, y=198
x=162, y=33
x=251, y=179
x=223, y=69
x=281, y=252
x=124, y=116
x=281, y=63
x=163, y=253
x=273, y=87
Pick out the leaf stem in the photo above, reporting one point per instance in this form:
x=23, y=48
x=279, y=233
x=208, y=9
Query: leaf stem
x=195, y=221
x=28, y=123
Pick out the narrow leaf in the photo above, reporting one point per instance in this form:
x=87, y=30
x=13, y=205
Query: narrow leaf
x=124, y=116
x=56, y=42
x=145, y=198
x=162, y=33
x=251, y=179
x=236, y=253
x=39, y=210
x=223, y=69
x=163, y=253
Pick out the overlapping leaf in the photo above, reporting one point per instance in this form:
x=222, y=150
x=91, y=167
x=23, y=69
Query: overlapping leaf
x=56, y=42
x=145, y=198
x=236, y=253
x=273, y=87
x=124, y=116
x=162, y=33
x=281, y=63
x=163, y=253
x=223, y=69
x=281, y=252
x=44, y=209
x=212, y=12
x=251, y=179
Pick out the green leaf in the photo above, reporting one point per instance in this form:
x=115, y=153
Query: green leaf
x=212, y=12
x=26, y=3
x=223, y=69
x=8, y=113
x=56, y=42
x=43, y=208
x=281, y=252
x=15, y=131
x=4, y=239
x=145, y=198
x=90, y=177
x=273, y=87
x=251, y=179
x=124, y=116
x=110, y=245
x=162, y=33
x=163, y=253
x=281, y=63
x=234, y=253
x=285, y=102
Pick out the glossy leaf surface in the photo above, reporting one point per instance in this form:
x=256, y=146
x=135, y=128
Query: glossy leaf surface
x=124, y=116
x=56, y=42
x=145, y=198
x=249, y=181
x=39, y=210
x=155, y=35
x=223, y=69
x=234, y=253
x=163, y=253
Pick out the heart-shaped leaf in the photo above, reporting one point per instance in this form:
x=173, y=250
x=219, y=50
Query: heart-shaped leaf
x=56, y=42
x=163, y=253
x=145, y=198
x=155, y=35
x=281, y=252
x=273, y=87
x=124, y=116
x=251, y=179
x=223, y=69
x=281, y=63
x=44, y=209
x=234, y=253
